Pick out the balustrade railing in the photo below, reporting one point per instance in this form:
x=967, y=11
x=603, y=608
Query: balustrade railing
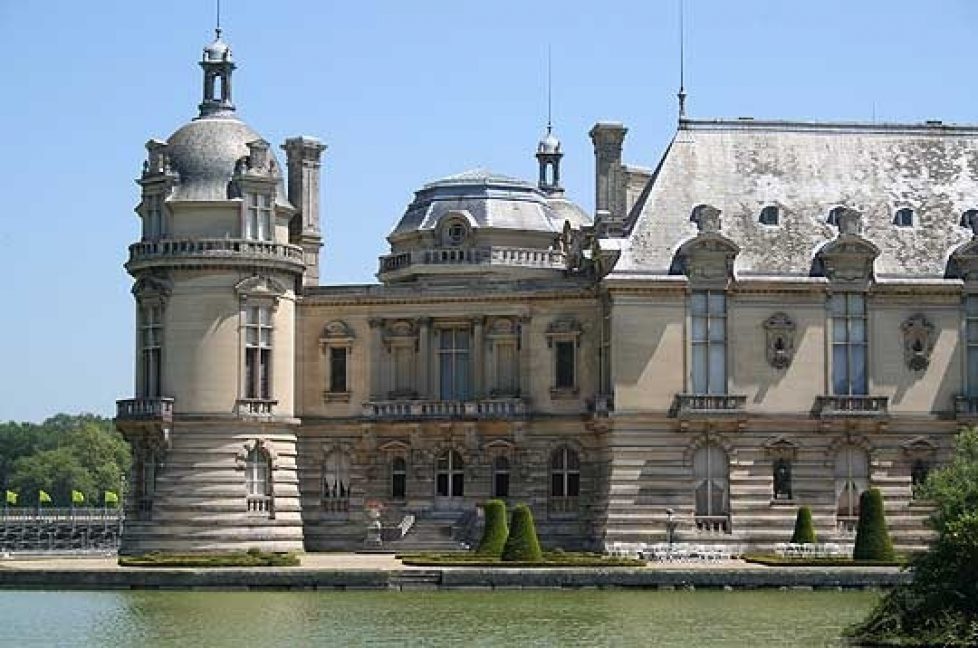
x=563, y=505
x=709, y=404
x=144, y=409
x=60, y=530
x=259, y=503
x=212, y=247
x=256, y=406
x=712, y=524
x=484, y=408
x=846, y=525
x=337, y=504
x=852, y=405
x=495, y=255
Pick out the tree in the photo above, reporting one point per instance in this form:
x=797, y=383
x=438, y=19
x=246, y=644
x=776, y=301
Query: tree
x=496, y=531
x=872, y=537
x=940, y=606
x=804, y=528
x=522, y=545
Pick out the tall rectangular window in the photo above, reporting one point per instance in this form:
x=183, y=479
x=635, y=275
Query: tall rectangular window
x=605, y=361
x=709, y=341
x=565, y=370
x=453, y=364
x=848, y=312
x=258, y=352
x=258, y=223
x=151, y=346
x=507, y=375
x=337, y=369
x=153, y=224
x=971, y=337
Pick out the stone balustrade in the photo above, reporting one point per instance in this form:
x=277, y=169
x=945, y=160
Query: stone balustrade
x=256, y=406
x=712, y=524
x=214, y=249
x=144, y=409
x=438, y=409
x=563, y=505
x=868, y=406
x=259, y=504
x=709, y=404
x=495, y=255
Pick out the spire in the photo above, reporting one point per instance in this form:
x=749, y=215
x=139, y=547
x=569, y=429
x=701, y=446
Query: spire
x=218, y=65
x=681, y=95
x=548, y=149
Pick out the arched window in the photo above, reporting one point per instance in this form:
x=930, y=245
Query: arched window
x=565, y=473
x=851, y=479
x=770, y=215
x=500, y=476
x=450, y=475
x=398, y=478
x=918, y=475
x=903, y=217
x=336, y=482
x=711, y=486
x=258, y=471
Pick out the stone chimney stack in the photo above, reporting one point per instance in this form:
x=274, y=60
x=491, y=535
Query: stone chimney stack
x=302, y=158
x=609, y=177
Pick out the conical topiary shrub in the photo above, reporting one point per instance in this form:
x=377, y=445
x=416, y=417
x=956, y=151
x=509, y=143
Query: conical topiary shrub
x=872, y=538
x=804, y=529
x=496, y=531
x=522, y=544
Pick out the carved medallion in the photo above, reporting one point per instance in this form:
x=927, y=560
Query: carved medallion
x=780, y=329
x=918, y=341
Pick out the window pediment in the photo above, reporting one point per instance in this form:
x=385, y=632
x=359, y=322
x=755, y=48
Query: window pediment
x=337, y=333
x=919, y=447
x=849, y=257
x=781, y=447
x=260, y=287
x=150, y=287
x=564, y=328
x=709, y=256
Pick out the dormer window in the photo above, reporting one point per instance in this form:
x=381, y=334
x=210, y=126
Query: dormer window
x=770, y=215
x=968, y=217
x=455, y=232
x=258, y=218
x=903, y=217
x=833, y=218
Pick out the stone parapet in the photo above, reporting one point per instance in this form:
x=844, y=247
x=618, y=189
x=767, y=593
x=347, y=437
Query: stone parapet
x=214, y=252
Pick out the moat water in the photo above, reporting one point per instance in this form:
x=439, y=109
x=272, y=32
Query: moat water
x=500, y=618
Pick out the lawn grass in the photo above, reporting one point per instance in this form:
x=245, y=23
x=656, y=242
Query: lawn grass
x=550, y=559
x=250, y=558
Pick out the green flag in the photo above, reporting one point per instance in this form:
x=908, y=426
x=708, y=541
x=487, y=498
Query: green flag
x=43, y=497
x=111, y=499
x=77, y=497
x=11, y=498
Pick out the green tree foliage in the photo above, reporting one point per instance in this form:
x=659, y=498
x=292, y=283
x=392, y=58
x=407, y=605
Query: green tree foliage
x=62, y=454
x=940, y=606
x=872, y=537
x=496, y=531
x=522, y=545
x=804, y=528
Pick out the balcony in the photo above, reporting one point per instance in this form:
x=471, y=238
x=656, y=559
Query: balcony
x=709, y=405
x=144, y=409
x=845, y=406
x=255, y=407
x=491, y=408
x=966, y=407
x=206, y=252
x=483, y=256
x=712, y=524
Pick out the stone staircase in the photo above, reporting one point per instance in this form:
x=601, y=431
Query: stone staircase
x=415, y=579
x=437, y=531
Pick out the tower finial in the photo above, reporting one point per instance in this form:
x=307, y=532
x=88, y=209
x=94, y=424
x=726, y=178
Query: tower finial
x=550, y=86
x=217, y=28
x=682, y=62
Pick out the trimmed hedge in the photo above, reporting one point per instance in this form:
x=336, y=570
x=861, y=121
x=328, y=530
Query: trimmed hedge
x=496, y=531
x=804, y=528
x=522, y=544
x=872, y=538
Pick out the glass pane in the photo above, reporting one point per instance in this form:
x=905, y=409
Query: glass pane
x=398, y=485
x=857, y=330
x=462, y=377
x=840, y=370
x=718, y=303
x=573, y=485
x=702, y=499
x=565, y=364
x=698, y=302
x=501, y=485
x=266, y=362
x=857, y=305
x=972, y=328
x=838, y=330
x=971, y=305
x=573, y=461
x=557, y=460
x=250, y=386
x=557, y=485
x=447, y=376
x=699, y=369
x=446, y=339
x=972, y=371
x=441, y=485
x=337, y=370
x=442, y=464
x=860, y=383
x=699, y=329
x=718, y=369
x=837, y=305
x=458, y=484
x=718, y=329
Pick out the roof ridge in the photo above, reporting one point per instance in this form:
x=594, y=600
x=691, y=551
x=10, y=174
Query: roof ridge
x=929, y=127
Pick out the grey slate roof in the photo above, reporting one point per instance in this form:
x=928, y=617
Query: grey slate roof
x=204, y=151
x=492, y=200
x=806, y=169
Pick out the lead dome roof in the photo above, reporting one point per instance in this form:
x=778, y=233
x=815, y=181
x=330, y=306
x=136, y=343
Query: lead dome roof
x=493, y=201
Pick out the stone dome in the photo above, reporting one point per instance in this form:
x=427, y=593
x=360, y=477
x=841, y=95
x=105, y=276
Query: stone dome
x=491, y=201
x=204, y=153
x=217, y=51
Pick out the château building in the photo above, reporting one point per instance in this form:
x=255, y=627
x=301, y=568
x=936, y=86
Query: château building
x=775, y=314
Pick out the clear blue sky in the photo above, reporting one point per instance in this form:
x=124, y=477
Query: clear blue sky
x=403, y=93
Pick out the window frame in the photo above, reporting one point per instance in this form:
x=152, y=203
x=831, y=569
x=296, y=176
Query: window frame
x=903, y=214
x=150, y=324
x=561, y=333
x=258, y=217
x=843, y=380
x=452, y=353
x=258, y=355
x=970, y=336
x=710, y=479
x=765, y=214
x=702, y=347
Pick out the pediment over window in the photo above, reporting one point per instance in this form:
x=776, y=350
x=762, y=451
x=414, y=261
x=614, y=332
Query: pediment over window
x=148, y=287
x=708, y=257
x=402, y=331
x=337, y=331
x=502, y=327
x=848, y=258
x=919, y=447
x=263, y=446
x=564, y=329
x=260, y=287
x=394, y=447
x=781, y=447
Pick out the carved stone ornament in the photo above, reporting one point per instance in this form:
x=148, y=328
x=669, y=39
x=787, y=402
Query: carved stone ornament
x=707, y=218
x=260, y=287
x=849, y=257
x=918, y=341
x=780, y=330
x=708, y=258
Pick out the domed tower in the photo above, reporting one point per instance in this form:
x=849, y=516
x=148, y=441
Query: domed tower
x=216, y=272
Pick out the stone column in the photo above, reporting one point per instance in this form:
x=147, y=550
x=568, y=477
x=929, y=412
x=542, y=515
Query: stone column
x=478, y=357
x=375, y=358
x=424, y=357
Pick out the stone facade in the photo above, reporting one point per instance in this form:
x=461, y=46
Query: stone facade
x=780, y=314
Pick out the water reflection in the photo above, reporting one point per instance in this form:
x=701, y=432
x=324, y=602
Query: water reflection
x=513, y=618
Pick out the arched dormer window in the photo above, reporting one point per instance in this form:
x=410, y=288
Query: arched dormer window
x=903, y=217
x=770, y=215
x=336, y=482
x=833, y=217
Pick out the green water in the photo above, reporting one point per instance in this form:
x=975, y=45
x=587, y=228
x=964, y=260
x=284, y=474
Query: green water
x=500, y=618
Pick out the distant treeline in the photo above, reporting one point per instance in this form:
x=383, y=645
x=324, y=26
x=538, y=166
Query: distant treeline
x=64, y=453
